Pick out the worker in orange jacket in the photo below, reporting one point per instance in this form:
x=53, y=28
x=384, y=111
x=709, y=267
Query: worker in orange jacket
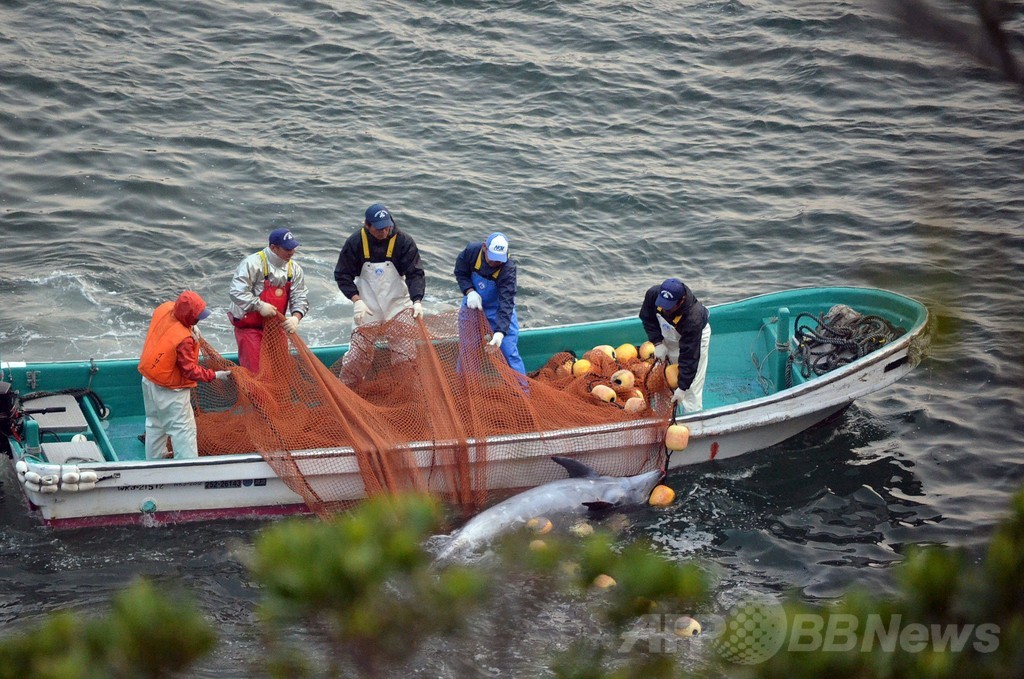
x=170, y=370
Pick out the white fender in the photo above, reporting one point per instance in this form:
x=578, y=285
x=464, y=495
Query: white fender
x=48, y=489
x=21, y=466
x=70, y=478
x=87, y=477
x=50, y=480
x=86, y=485
x=32, y=477
x=34, y=487
x=69, y=487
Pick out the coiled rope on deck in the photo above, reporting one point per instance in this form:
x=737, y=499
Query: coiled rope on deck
x=837, y=338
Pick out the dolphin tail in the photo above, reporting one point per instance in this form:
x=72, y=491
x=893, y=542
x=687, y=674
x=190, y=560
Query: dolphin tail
x=576, y=469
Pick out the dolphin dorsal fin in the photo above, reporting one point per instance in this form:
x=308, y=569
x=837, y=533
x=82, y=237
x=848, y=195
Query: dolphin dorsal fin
x=576, y=469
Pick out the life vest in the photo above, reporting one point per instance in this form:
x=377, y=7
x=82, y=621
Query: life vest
x=159, y=360
x=275, y=295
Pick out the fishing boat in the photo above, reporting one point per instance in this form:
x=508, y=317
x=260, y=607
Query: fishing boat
x=777, y=366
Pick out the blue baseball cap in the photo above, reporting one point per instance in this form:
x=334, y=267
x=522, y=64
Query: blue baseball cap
x=379, y=217
x=497, y=247
x=672, y=293
x=283, y=238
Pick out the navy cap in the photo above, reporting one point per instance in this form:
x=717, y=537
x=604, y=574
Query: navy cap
x=497, y=247
x=672, y=293
x=283, y=238
x=379, y=217
x=205, y=314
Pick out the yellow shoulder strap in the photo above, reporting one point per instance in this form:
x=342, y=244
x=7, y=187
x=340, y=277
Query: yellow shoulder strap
x=480, y=261
x=366, y=246
x=266, y=265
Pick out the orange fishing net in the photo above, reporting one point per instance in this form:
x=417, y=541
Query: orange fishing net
x=409, y=407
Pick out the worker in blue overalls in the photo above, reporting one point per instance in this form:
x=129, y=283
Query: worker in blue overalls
x=487, y=278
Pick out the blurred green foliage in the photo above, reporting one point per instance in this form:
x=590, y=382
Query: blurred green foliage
x=949, y=619
x=145, y=634
x=361, y=594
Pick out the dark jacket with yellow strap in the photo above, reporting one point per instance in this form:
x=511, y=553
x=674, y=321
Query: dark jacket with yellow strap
x=689, y=322
x=471, y=260
x=399, y=248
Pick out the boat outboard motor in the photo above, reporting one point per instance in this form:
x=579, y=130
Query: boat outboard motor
x=10, y=414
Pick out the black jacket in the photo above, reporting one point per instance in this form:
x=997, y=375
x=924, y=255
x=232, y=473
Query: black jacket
x=405, y=257
x=689, y=322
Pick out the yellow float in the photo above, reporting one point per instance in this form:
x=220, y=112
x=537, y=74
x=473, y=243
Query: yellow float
x=672, y=375
x=677, y=437
x=634, y=404
x=624, y=353
x=623, y=379
x=580, y=367
x=540, y=525
x=661, y=496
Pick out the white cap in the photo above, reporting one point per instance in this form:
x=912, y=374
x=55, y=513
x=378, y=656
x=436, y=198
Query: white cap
x=497, y=247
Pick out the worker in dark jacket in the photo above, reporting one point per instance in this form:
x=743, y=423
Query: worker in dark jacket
x=379, y=269
x=487, y=279
x=677, y=324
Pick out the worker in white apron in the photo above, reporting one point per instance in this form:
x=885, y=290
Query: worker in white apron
x=379, y=269
x=677, y=324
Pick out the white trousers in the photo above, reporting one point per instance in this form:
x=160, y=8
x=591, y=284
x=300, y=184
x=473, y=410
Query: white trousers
x=693, y=398
x=169, y=414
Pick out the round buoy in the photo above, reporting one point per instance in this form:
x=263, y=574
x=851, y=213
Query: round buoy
x=605, y=393
x=672, y=375
x=606, y=349
x=634, y=404
x=581, y=529
x=624, y=353
x=623, y=379
x=661, y=496
x=581, y=367
x=604, y=581
x=646, y=350
x=538, y=544
x=540, y=525
x=677, y=437
x=687, y=626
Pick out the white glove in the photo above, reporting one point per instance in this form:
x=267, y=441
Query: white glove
x=660, y=352
x=291, y=324
x=417, y=309
x=496, y=339
x=267, y=310
x=473, y=300
x=196, y=334
x=677, y=396
x=360, y=310
x=222, y=374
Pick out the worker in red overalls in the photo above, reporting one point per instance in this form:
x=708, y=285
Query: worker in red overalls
x=267, y=283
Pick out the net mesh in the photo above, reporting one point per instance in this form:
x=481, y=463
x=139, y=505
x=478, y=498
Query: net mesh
x=411, y=407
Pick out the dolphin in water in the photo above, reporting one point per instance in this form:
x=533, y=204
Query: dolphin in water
x=585, y=490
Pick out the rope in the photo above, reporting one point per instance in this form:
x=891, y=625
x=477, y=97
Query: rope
x=97, y=402
x=838, y=338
